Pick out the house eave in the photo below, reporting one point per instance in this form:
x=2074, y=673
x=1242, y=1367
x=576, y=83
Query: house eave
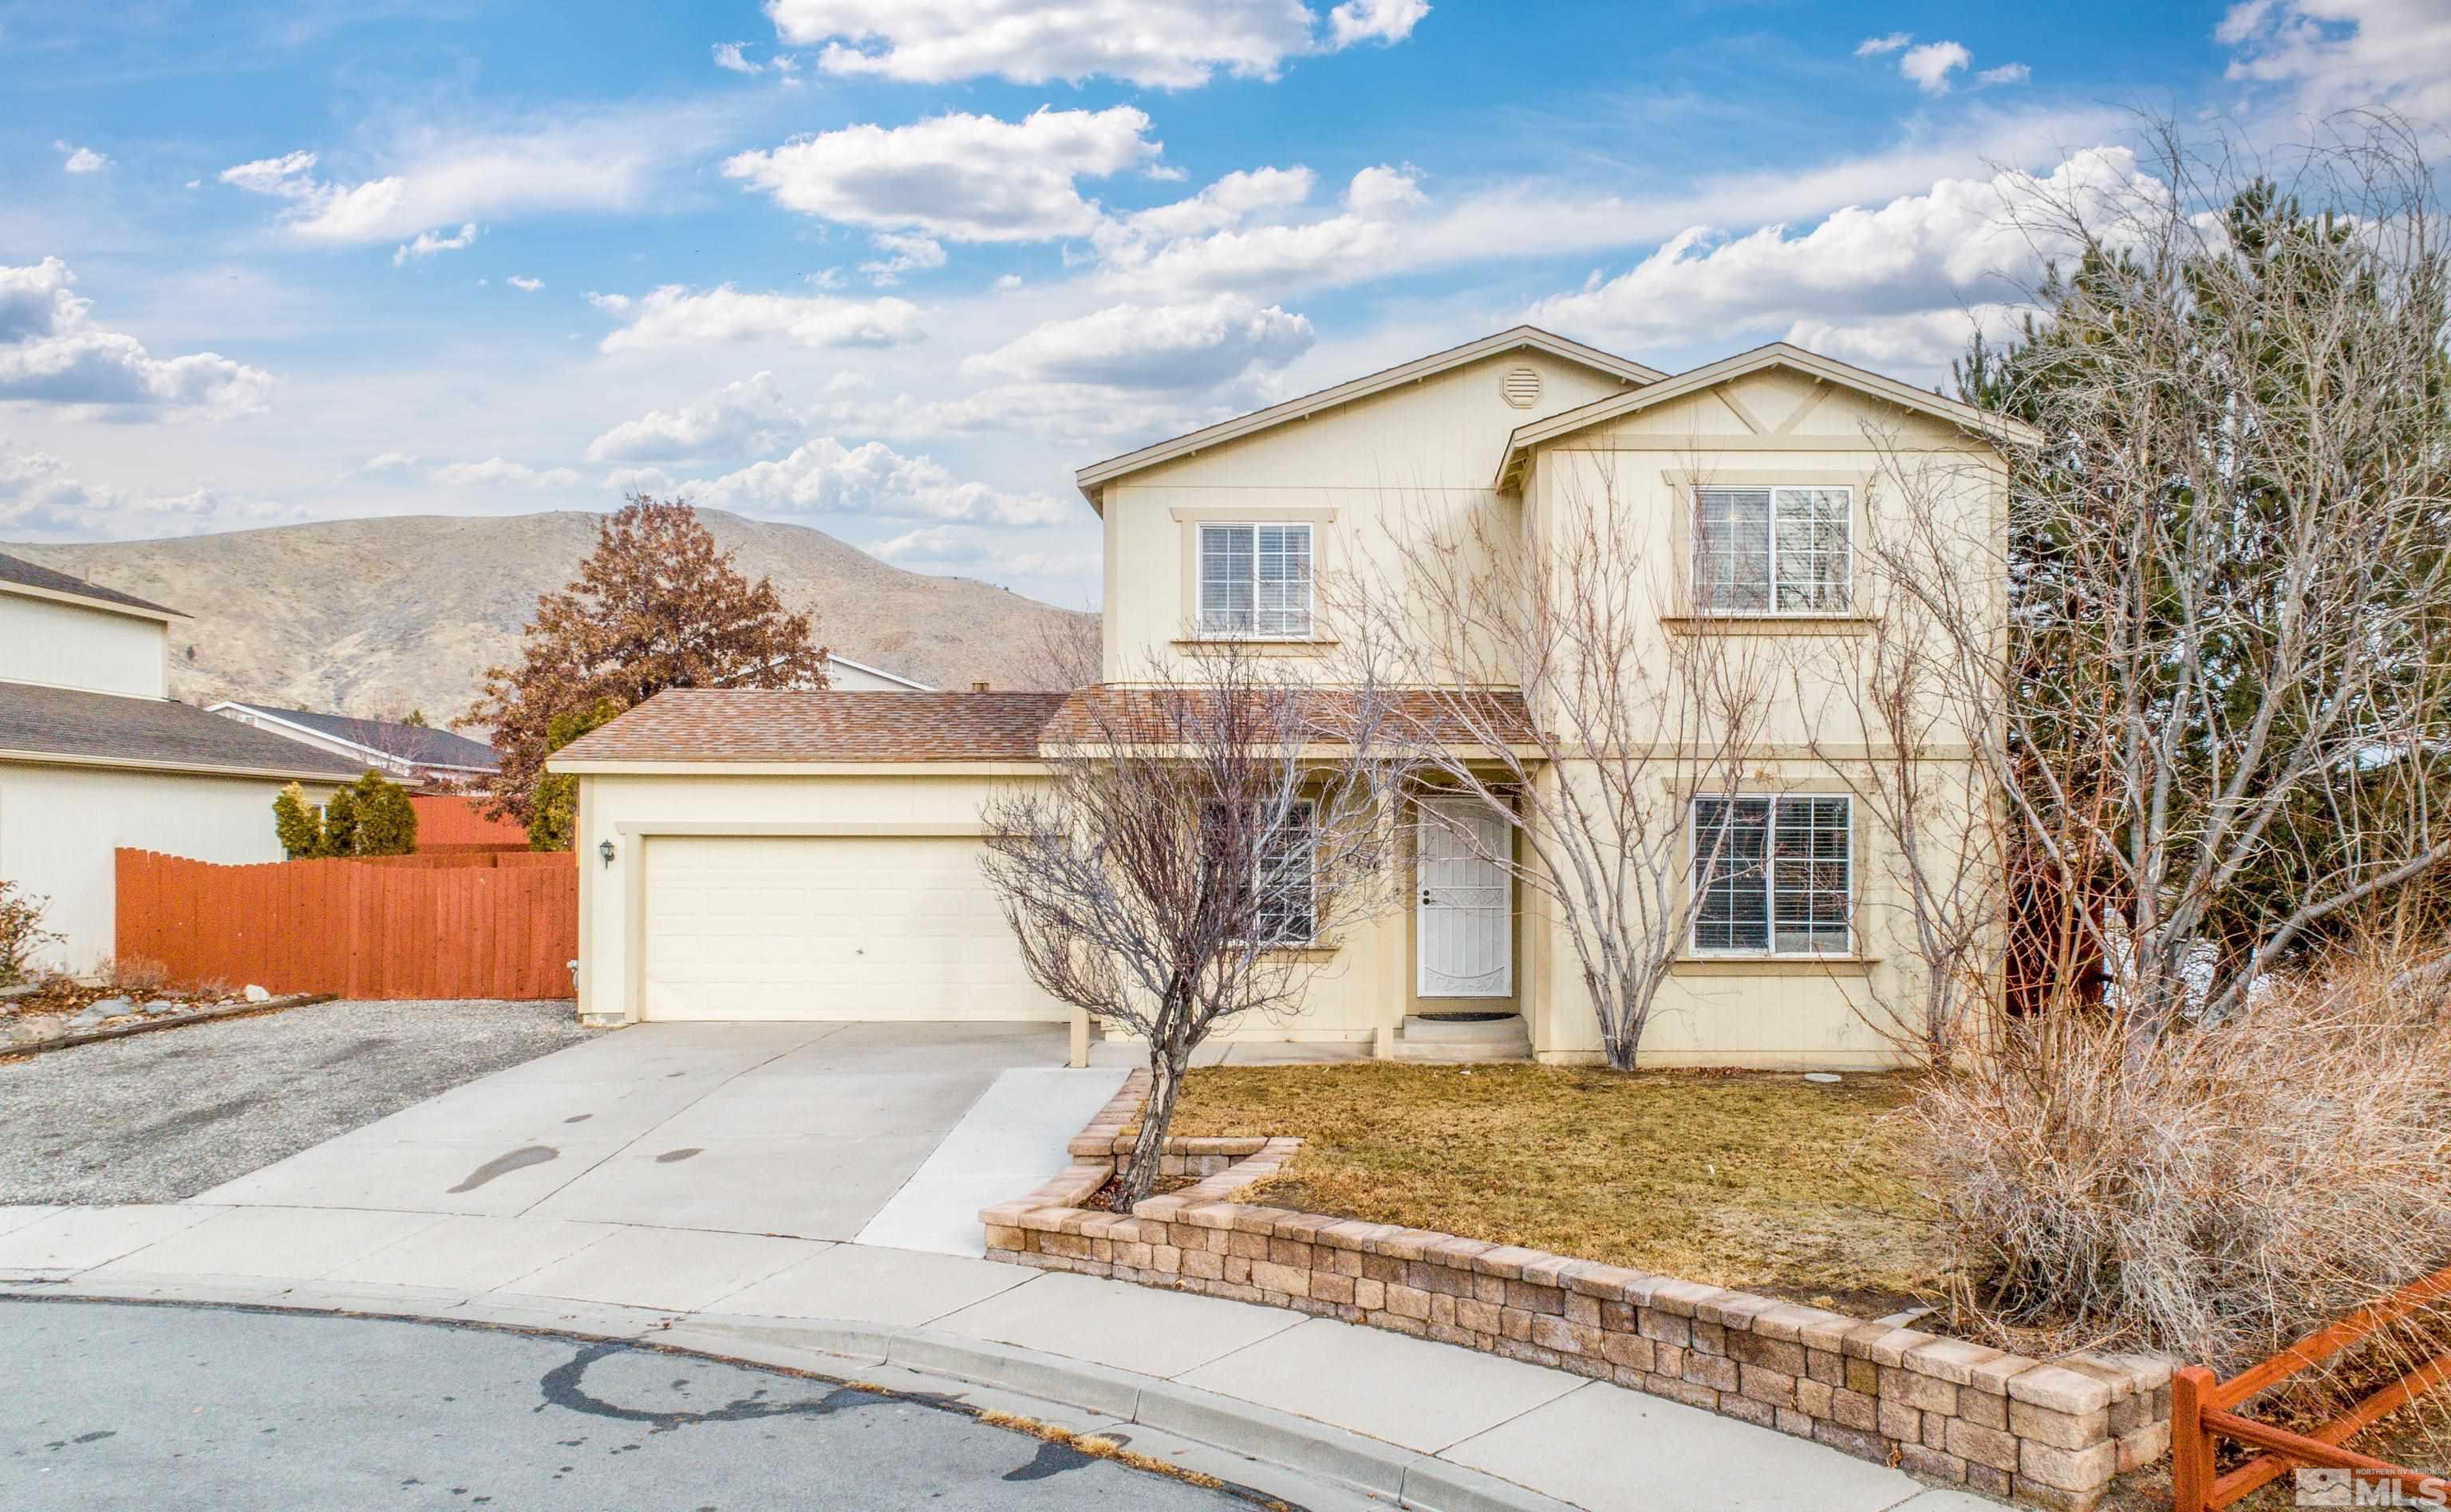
x=68, y=758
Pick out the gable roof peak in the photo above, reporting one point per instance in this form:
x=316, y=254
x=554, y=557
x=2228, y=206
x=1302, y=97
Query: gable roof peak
x=1996, y=430
x=1094, y=479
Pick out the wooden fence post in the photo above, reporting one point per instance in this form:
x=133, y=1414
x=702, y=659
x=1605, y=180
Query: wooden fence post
x=2191, y=1447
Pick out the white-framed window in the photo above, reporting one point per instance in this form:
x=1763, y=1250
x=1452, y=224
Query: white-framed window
x=1774, y=875
x=1773, y=551
x=1255, y=580
x=1285, y=901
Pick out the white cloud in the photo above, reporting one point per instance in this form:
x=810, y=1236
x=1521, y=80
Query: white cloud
x=2005, y=73
x=41, y=499
x=1875, y=47
x=1164, y=346
x=496, y=472
x=967, y=551
x=81, y=159
x=1226, y=203
x=964, y=178
x=442, y=178
x=1166, y=44
x=1887, y=282
x=678, y=316
x=524, y=284
x=1387, y=21
x=727, y=55
x=429, y=243
x=2336, y=54
x=1361, y=241
x=823, y=477
x=905, y=253
x=1931, y=64
x=51, y=352
x=744, y=419
x=391, y=462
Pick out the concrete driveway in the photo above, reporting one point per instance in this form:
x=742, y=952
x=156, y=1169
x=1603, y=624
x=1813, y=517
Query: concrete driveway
x=808, y=1131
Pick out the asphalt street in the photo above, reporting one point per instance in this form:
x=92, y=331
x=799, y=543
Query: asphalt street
x=160, y=1408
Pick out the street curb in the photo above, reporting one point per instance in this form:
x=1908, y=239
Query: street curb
x=1349, y=1460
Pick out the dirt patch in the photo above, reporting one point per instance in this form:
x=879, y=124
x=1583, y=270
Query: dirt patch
x=1762, y=1182
x=1102, y=1200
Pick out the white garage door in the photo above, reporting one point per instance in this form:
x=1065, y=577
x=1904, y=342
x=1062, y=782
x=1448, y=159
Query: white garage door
x=873, y=927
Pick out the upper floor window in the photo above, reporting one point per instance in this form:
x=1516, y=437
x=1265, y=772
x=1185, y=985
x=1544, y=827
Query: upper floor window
x=1774, y=875
x=1773, y=551
x=1255, y=580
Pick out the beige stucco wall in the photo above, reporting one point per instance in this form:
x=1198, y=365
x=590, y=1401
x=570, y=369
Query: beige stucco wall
x=65, y=645
x=60, y=824
x=1770, y=428
x=1425, y=455
x=1421, y=456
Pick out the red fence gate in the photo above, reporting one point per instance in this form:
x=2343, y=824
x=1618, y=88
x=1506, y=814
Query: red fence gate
x=491, y=926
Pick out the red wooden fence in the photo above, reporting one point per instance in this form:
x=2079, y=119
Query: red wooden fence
x=477, y=926
x=2202, y=1414
x=448, y=824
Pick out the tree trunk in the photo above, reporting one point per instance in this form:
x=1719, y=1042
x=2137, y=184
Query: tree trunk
x=1140, y=1173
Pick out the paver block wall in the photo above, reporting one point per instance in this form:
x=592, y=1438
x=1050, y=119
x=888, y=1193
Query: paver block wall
x=2050, y=1433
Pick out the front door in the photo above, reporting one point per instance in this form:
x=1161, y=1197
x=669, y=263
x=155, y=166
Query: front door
x=1464, y=919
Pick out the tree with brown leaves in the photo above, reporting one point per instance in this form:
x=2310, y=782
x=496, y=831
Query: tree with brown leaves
x=655, y=606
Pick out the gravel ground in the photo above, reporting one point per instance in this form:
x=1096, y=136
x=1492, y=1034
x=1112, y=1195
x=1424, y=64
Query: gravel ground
x=162, y=1117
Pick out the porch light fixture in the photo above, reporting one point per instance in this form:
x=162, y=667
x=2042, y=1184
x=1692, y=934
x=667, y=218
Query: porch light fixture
x=606, y=851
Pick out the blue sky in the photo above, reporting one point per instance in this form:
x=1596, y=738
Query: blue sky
x=894, y=268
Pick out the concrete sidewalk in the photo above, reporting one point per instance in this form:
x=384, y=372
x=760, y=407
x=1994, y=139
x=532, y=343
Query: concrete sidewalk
x=800, y=1195
x=1353, y=1408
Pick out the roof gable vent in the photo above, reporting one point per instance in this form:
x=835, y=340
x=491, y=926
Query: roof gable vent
x=1520, y=387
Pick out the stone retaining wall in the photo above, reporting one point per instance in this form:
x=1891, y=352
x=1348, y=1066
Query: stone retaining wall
x=2050, y=1433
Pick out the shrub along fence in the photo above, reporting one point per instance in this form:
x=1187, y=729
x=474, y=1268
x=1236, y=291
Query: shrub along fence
x=405, y=927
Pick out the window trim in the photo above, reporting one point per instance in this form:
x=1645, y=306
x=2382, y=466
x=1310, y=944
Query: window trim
x=1697, y=606
x=1199, y=626
x=1769, y=951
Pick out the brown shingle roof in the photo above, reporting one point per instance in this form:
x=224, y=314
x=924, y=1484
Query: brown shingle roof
x=750, y=724
x=1092, y=714
x=67, y=722
x=25, y=574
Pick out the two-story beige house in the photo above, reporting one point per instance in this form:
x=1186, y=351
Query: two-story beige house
x=751, y=855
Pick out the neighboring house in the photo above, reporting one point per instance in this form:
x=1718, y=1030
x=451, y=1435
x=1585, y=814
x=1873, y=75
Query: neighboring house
x=94, y=755
x=411, y=753
x=846, y=675
x=751, y=855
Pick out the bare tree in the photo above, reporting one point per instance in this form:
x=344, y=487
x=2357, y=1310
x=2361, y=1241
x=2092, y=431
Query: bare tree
x=1195, y=833
x=1893, y=713
x=1627, y=717
x=2227, y=711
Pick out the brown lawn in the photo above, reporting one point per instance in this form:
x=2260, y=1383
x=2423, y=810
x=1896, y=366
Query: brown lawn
x=1759, y=1181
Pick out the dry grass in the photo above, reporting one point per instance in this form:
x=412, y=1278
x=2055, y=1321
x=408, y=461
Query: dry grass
x=1765, y=1182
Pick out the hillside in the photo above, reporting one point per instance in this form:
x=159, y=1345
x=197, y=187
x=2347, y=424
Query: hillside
x=377, y=617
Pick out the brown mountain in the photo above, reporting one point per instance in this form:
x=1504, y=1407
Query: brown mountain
x=378, y=617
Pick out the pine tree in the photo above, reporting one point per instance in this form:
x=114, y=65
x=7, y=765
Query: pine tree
x=301, y=832
x=552, y=823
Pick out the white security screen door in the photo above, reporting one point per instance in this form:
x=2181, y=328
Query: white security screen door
x=1464, y=919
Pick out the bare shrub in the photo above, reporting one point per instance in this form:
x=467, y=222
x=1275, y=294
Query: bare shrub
x=21, y=933
x=132, y=974
x=1194, y=839
x=2255, y=1179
